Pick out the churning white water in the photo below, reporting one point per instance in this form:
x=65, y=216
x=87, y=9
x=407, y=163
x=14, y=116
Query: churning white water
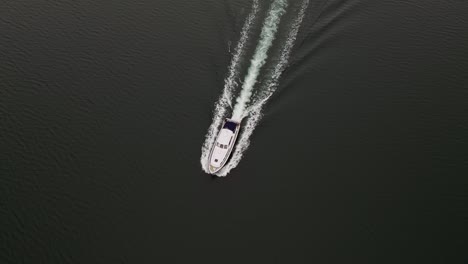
x=268, y=34
x=225, y=100
x=242, y=110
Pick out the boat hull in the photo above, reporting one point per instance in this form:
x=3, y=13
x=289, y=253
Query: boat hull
x=223, y=146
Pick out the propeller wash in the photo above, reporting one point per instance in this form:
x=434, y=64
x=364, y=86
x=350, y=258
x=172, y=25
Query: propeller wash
x=251, y=99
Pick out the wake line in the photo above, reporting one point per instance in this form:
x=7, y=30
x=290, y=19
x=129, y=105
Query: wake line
x=268, y=34
x=253, y=113
x=255, y=110
x=230, y=85
x=272, y=84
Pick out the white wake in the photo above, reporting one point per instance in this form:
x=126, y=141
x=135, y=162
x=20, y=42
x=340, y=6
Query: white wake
x=251, y=114
x=225, y=100
x=268, y=34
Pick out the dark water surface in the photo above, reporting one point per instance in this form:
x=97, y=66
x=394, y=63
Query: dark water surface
x=361, y=157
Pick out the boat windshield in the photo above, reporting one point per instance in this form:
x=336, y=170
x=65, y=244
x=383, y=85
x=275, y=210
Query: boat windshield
x=230, y=125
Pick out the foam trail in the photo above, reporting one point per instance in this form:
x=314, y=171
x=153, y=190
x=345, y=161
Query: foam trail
x=272, y=83
x=230, y=85
x=268, y=34
x=254, y=111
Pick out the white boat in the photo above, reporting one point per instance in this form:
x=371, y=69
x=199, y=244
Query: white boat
x=223, y=145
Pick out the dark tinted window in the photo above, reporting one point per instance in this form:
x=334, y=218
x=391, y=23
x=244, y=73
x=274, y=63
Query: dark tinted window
x=230, y=125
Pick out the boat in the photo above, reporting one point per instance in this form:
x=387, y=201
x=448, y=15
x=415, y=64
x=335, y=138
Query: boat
x=223, y=145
